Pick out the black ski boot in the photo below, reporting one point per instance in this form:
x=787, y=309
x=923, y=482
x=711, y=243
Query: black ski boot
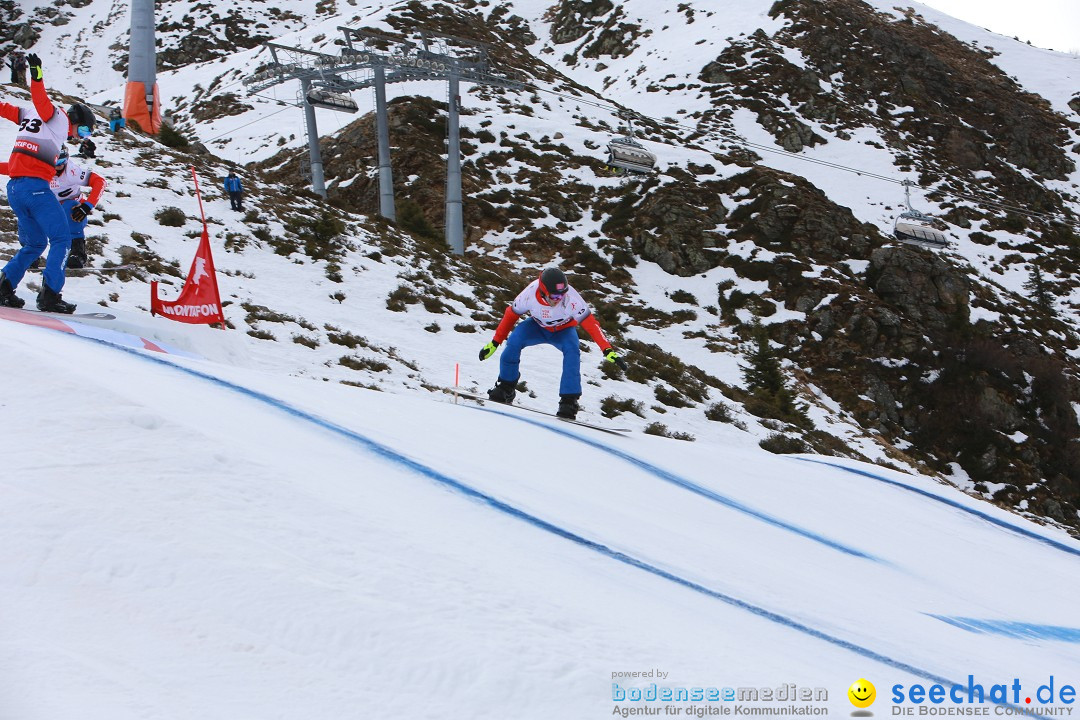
x=503, y=392
x=8, y=298
x=568, y=406
x=48, y=300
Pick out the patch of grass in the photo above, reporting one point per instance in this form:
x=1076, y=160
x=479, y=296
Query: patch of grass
x=261, y=334
x=403, y=296
x=612, y=406
x=719, y=412
x=255, y=313
x=171, y=216
x=306, y=341
x=781, y=444
x=682, y=296
x=171, y=137
x=347, y=339
x=355, y=363
x=658, y=428
x=434, y=305
x=671, y=398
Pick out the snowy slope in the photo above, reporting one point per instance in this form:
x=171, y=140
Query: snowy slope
x=307, y=307
x=188, y=539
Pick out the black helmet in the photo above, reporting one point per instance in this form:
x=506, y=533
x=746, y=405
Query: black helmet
x=80, y=116
x=553, y=283
x=62, y=157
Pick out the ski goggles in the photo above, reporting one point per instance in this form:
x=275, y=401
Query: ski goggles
x=83, y=131
x=555, y=298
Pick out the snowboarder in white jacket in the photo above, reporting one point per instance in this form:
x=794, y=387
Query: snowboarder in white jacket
x=556, y=309
x=68, y=186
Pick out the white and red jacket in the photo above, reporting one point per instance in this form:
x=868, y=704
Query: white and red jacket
x=67, y=185
x=43, y=128
x=568, y=312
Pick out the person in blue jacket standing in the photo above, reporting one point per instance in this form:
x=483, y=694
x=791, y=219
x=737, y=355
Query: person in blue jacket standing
x=235, y=190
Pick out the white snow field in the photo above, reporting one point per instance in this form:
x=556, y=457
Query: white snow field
x=186, y=538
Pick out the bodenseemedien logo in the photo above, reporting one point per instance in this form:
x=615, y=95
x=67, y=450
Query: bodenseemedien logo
x=862, y=694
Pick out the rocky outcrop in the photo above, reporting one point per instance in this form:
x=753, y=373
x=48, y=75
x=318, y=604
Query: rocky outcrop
x=573, y=19
x=921, y=285
x=784, y=212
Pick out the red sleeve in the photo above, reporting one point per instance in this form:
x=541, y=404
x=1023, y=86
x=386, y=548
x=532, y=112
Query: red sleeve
x=506, y=325
x=593, y=328
x=97, y=186
x=9, y=112
x=3, y=168
x=42, y=103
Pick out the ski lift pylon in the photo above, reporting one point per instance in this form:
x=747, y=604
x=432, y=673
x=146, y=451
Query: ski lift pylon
x=916, y=228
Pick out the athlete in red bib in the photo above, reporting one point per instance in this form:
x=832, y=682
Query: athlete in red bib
x=43, y=128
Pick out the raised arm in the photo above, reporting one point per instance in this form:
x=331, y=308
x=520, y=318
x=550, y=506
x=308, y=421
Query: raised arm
x=42, y=103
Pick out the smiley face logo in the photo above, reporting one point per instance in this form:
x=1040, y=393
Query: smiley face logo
x=862, y=693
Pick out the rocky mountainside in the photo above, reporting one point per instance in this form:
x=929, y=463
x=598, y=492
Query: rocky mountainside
x=961, y=362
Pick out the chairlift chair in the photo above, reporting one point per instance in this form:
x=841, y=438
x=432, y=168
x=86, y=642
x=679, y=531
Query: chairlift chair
x=628, y=155
x=342, y=102
x=916, y=228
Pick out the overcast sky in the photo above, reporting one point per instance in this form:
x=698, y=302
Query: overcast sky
x=1053, y=24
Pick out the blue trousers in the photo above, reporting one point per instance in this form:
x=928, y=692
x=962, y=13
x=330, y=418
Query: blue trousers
x=528, y=334
x=41, y=223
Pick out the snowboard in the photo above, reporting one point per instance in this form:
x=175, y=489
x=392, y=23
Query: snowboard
x=481, y=400
x=83, y=271
x=80, y=272
x=71, y=316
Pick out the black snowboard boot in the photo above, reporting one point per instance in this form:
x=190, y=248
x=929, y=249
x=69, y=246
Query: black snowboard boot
x=77, y=257
x=48, y=300
x=503, y=392
x=8, y=298
x=568, y=406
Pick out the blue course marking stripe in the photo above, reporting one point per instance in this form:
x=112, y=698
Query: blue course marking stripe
x=1013, y=629
x=432, y=474
x=693, y=487
x=952, y=503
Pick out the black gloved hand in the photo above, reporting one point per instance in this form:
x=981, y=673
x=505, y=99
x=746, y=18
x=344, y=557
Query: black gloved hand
x=488, y=350
x=611, y=356
x=35, y=66
x=80, y=211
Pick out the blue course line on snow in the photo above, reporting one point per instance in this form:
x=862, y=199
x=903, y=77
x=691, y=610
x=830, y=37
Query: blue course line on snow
x=688, y=485
x=397, y=458
x=1013, y=629
x=952, y=503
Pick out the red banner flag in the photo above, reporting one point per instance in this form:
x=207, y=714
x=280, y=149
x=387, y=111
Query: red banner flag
x=199, y=300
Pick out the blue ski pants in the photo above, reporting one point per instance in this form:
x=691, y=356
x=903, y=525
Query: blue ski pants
x=41, y=223
x=528, y=334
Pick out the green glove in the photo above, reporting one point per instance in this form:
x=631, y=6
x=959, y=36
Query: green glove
x=488, y=350
x=34, y=63
x=611, y=356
